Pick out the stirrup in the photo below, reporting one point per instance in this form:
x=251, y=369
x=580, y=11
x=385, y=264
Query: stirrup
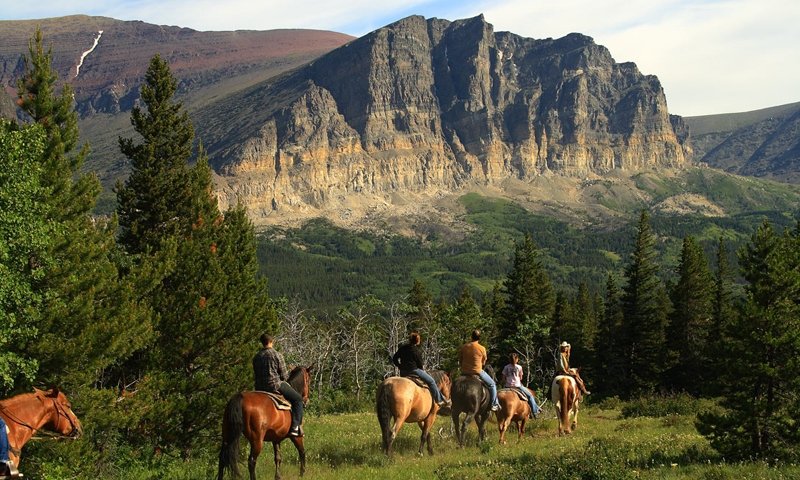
x=12, y=470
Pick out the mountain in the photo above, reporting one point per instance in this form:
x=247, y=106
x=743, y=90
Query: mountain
x=427, y=107
x=105, y=60
x=761, y=143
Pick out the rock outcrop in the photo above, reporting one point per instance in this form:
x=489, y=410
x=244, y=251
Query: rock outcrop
x=431, y=105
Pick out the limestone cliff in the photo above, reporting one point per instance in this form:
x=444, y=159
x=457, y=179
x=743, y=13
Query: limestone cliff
x=428, y=106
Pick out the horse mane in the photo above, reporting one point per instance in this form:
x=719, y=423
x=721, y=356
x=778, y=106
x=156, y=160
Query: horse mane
x=438, y=375
x=298, y=370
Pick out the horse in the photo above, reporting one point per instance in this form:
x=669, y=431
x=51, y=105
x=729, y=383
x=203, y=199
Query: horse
x=28, y=413
x=254, y=415
x=566, y=396
x=512, y=409
x=470, y=396
x=401, y=400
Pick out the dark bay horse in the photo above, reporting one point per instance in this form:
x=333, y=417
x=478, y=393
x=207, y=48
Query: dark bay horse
x=512, y=409
x=402, y=400
x=566, y=396
x=28, y=413
x=470, y=397
x=254, y=415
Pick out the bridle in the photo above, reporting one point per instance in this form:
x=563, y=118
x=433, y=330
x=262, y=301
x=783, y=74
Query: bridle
x=60, y=412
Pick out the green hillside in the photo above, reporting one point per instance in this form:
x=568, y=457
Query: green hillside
x=325, y=266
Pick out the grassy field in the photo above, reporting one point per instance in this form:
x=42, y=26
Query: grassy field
x=605, y=446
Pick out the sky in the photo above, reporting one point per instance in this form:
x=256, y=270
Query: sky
x=711, y=56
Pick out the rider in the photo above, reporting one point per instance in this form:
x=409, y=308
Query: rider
x=562, y=366
x=409, y=360
x=270, y=376
x=471, y=359
x=512, y=378
x=6, y=465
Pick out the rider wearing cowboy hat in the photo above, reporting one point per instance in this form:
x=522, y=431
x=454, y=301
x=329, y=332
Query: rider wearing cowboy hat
x=562, y=366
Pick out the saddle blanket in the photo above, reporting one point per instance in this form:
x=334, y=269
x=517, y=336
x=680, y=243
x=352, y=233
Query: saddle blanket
x=417, y=380
x=279, y=400
x=516, y=390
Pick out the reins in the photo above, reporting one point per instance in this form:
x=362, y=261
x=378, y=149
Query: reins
x=38, y=433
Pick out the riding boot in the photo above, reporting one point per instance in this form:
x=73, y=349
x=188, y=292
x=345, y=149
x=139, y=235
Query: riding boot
x=10, y=469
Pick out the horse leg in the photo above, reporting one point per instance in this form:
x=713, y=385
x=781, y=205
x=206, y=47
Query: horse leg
x=256, y=444
x=575, y=418
x=426, y=426
x=521, y=428
x=480, y=420
x=465, y=425
x=457, y=427
x=276, y=447
x=502, y=425
x=398, y=424
x=301, y=452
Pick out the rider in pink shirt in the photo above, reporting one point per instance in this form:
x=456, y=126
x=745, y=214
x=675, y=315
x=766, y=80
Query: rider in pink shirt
x=512, y=378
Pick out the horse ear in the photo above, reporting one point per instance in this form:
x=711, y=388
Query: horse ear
x=54, y=391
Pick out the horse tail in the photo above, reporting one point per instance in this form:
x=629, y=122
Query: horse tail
x=384, y=411
x=232, y=427
x=565, y=393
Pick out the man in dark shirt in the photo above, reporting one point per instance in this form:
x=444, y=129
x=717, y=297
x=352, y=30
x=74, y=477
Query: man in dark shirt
x=270, y=376
x=409, y=360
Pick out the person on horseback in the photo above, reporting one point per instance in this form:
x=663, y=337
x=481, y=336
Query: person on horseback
x=271, y=375
x=512, y=378
x=562, y=366
x=472, y=359
x=409, y=360
x=7, y=467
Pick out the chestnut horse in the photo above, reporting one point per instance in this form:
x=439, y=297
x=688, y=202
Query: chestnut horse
x=254, y=415
x=512, y=409
x=402, y=400
x=28, y=413
x=566, y=396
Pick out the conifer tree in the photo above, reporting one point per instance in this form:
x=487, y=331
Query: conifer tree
x=644, y=315
x=530, y=296
x=688, y=331
x=724, y=310
x=760, y=376
x=25, y=237
x=87, y=308
x=211, y=304
x=611, y=360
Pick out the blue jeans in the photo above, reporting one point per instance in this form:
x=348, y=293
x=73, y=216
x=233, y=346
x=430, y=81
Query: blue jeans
x=3, y=442
x=492, y=387
x=531, y=401
x=435, y=393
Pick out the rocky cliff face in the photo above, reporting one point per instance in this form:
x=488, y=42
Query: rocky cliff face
x=431, y=105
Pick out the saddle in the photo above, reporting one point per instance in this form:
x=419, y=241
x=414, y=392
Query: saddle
x=420, y=382
x=279, y=400
x=516, y=390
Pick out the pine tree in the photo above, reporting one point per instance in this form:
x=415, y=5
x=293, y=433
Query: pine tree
x=159, y=200
x=530, y=296
x=688, y=331
x=71, y=199
x=25, y=237
x=760, y=376
x=724, y=310
x=644, y=315
x=611, y=360
x=211, y=304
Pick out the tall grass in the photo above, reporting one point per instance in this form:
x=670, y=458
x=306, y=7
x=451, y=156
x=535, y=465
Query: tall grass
x=648, y=442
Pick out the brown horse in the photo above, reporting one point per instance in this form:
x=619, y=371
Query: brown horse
x=566, y=396
x=254, y=415
x=470, y=397
x=402, y=400
x=28, y=413
x=512, y=409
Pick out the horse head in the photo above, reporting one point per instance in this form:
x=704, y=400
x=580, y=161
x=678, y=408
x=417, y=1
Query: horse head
x=62, y=419
x=300, y=380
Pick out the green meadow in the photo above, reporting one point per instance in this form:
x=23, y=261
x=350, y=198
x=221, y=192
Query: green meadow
x=611, y=442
